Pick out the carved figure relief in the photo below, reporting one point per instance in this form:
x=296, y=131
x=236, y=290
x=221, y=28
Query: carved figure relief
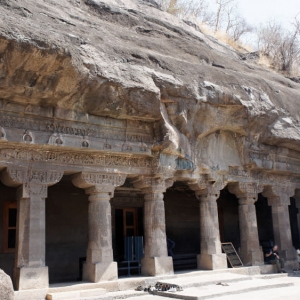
x=85, y=144
x=27, y=137
x=2, y=134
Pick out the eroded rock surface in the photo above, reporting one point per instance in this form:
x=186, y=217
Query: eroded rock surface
x=6, y=287
x=128, y=59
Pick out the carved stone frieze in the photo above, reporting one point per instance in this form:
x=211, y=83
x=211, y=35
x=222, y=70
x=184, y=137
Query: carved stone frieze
x=77, y=158
x=137, y=135
x=272, y=160
x=237, y=174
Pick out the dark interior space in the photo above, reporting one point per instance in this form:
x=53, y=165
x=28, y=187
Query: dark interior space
x=264, y=223
x=228, y=212
x=183, y=225
x=128, y=222
x=66, y=231
x=8, y=227
x=293, y=211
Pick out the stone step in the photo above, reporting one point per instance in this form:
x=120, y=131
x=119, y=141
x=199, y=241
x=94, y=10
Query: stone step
x=208, y=279
x=79, y=294
x=212, y=291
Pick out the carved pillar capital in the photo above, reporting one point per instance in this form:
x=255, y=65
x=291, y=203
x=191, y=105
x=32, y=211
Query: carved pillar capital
x=246, y=192
x=15, y=176
x=32, y=182
x=206, y=189
x=98, y=183
x=28, y=190
x=278, y=194
x=152, y=184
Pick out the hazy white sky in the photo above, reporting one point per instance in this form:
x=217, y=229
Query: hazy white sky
x=260, y=11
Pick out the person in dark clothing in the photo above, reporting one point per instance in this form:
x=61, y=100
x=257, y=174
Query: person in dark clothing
x=170, y=246
x=273, y=258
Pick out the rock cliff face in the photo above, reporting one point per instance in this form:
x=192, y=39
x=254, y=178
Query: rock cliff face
x=127, y=59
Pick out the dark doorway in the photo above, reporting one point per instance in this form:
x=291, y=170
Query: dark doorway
x=8, y=228
x=128, y=222
x=293, y=210
x=264, y=223
x=183, y=225
x=66, y=231
x=228, y=213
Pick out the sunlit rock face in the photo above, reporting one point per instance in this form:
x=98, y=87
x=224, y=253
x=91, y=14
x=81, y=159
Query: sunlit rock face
x=78, y=60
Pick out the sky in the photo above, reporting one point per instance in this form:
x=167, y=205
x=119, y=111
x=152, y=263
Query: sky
x=261, y=11
x=258, y=12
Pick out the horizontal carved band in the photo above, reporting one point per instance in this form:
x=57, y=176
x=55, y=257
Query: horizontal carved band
x=78, y=158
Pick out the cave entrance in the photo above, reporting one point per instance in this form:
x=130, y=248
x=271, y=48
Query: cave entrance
x=183, y=225
x=264, y=223
x=66, y=231
x=294, y=222
x=228, y=213
x=127, y=221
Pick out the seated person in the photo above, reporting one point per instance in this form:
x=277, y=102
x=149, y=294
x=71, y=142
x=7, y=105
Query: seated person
x=273, y=258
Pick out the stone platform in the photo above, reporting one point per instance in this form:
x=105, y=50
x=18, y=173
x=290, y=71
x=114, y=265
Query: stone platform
x=191, y=281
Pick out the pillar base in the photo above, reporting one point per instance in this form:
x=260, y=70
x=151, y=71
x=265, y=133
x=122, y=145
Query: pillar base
x=155, y=266
x=288, y=254
x=31, y=278
x=212, y=261
x=252, y=258
x=100, y=271
x=291, y=265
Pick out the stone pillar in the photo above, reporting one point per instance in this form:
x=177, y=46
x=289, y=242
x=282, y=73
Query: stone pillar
x=156, y=260
x=30, y=271
x=99, y=265
x=251, y=252
x=279, y=200
x=211, y=256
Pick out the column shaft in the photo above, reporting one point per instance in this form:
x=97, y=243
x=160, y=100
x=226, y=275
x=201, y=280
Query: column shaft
x=155, y=227
x=251, y=253
x=99, y=263
x=209, y=227
x=211, y=256
x=156, y=260
x=282, y=231
x=100, y=238
x=30, y=271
